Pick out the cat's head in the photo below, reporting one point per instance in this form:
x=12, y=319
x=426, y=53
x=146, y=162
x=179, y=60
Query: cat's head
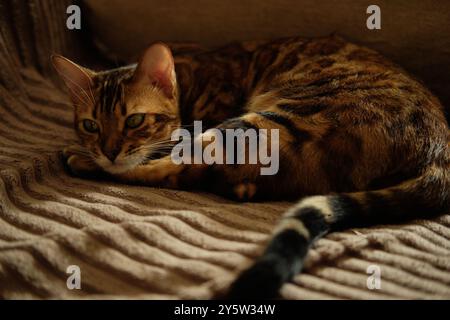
x=126, y=115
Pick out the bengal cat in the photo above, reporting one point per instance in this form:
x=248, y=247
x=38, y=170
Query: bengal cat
x=361, y=142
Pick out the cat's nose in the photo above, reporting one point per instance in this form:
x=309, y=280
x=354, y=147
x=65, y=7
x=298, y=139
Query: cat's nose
x=111, y=154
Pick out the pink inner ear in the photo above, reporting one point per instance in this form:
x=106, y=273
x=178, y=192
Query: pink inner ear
x=156, y=68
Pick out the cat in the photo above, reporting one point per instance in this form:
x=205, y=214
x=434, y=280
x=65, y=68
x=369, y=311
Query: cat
x=361, y=141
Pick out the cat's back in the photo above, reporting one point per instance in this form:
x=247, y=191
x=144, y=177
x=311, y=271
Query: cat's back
x=339, y=81
x=327, y=67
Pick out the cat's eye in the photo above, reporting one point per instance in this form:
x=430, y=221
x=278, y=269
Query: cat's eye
x=135, y=120
x=90, y=126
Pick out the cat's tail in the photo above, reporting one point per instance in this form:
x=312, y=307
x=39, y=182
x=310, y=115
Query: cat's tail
x=315, y=216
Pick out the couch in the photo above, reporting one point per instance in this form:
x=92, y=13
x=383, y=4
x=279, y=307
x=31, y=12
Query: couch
x=134, y=242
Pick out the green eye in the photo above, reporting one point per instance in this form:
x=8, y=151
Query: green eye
x=90, y=126
x=135, y=120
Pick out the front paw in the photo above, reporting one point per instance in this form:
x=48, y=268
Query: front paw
x=77, y=163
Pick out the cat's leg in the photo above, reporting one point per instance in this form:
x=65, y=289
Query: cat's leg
x=163, y=172
x=159, y=172
x=273, y=135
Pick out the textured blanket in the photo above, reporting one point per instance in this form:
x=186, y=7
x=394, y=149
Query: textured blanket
x=141, y=242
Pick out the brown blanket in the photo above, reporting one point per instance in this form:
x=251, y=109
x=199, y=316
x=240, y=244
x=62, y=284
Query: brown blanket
x=138, y=242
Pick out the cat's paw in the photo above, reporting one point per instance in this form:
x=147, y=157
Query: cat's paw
x=78, y=164
x=244, y=191
x=72, y=150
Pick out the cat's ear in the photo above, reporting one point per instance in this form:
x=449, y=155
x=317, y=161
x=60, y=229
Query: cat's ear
x=77, y=78
x=156, y=67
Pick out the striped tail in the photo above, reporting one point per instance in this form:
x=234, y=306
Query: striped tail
x=315, y=216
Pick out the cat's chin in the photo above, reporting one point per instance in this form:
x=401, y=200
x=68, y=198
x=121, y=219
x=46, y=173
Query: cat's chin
x=117, y=168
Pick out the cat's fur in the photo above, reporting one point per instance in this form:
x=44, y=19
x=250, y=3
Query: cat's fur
x=361, y=142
